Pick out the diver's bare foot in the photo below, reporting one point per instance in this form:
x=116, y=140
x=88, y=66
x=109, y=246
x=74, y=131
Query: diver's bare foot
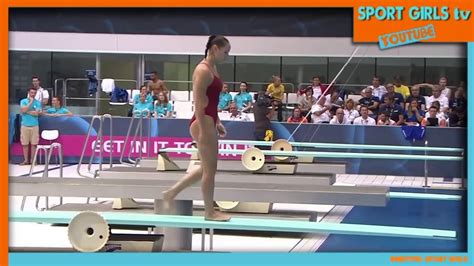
x=217, y=216
x=167, y=199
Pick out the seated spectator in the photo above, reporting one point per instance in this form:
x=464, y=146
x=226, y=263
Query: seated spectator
x=370, y=101
x=142, y=108
x=276, y=91
x=349, y=111
x=413, y=115
x=443, y=82
x=243, y=99
x=235, y=114
x=364, y=119
x=57, y=109
x=224, y=99
x=297, y=116
x=394, y=110
x=384, y=120
x=334, y=101
x=437, y=96
x=397, y=97
x=339, y=118
x=402, y=89
x=440, y=114
x=316, y=87
x=415, y=95
x=307, y=102
x=143, y=90
x=457, y=116
x=163, y=107
x=432, y=120
x=320, y=112
x=377, y=89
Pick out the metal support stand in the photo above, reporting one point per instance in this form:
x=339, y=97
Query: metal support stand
x=176, y=239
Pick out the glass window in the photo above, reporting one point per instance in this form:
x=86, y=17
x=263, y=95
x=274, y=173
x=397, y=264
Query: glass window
x=70, y=69
x=455, y=69
x=357, y=74
x=123, y=68
x=298, y=70
x=226, y=70
x=411, y=70
x=173, y=69
x=24, y=65
x=257, y=70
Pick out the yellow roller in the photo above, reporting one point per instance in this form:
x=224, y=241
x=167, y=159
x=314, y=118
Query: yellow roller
x=253, y=159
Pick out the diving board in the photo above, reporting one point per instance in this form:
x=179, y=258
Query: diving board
x=345, y=155
x=177, y=221
x=343, y=146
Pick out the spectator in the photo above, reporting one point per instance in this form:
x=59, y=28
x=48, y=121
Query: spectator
x=415, y=95
x=42, y=95
x=224, y=99
x=316, y=86
x=350, y=112
x=29, y=131
x=339, y=118
x=364, y=119
x=163, y=107
x=235, y=114
x=413, y=115
x=306, y=103
x=443, y=82
x=320, y=112
x=433, y=120
x=377, y=89
x=457, y=116
x=276, y=91
x=334, y=101
x=370, y=101
x=394, y=110
x=243, y=99
x=297, y=117
x=57, y=109
x=437, y=96
x=263, y=114
x=143, y=90
x=402, y=89
x=142, y=108
x=397, y=97
x=384, y=120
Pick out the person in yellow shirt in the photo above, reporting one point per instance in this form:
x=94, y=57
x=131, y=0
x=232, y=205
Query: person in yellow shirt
x=402, y=89
x=276, y=91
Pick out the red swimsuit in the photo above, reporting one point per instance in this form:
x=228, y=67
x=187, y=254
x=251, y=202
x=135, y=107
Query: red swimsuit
x=212, y=93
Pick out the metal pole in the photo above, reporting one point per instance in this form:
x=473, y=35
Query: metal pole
x=426, y=167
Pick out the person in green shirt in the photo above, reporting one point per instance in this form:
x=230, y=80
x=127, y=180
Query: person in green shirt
x=57, y=109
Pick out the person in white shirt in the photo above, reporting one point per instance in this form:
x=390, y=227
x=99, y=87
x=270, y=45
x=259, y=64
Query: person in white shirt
x=235, y=114
x=443, y=82
x=320, y=112
x=377, y=89
x=364, y=119
x=437, y=96
x=42, y=95
x=350, y=112
x=339, y=118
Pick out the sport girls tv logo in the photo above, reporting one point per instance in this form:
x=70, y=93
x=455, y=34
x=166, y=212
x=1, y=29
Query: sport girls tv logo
x=419, y=22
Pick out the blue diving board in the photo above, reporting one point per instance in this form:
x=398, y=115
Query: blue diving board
x=343, y=146
x=176, y=221
x=347, y=155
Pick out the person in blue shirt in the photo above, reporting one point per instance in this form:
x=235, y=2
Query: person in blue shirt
x=30, y=109
x=243, y=99
x=225, y=99
x=163, y=107
x=57, y=109
x=394, y=110
x=413, y=115
x=143, y=90
x=142, y=108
